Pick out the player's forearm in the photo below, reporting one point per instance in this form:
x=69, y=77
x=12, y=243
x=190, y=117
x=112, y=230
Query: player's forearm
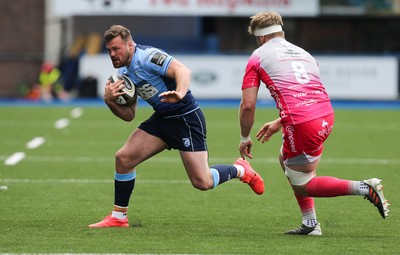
x=183, y=82
x=126, y=113
x=246, y=120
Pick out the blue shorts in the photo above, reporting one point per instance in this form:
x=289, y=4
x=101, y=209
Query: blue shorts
x=184, y=132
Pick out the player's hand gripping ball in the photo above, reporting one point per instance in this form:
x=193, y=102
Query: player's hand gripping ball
x=130, y=95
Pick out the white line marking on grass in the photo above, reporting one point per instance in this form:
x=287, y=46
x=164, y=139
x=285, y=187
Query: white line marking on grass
x=14, y=159
x=35, y=142
x=93, y=181
x=361, y=161
x=110, y=158
x=61, y=123
x=3, y=187
x=66, y=159
x=76, y=113
x=58, y=181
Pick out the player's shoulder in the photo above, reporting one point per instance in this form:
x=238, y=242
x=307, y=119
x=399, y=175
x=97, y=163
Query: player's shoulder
x=150, y=54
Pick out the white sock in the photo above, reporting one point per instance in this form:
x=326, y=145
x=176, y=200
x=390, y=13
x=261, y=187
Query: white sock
x=240, y=170
x=359, y=188
x=119, y=215
x=310, y=219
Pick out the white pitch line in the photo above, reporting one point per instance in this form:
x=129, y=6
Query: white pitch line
x=35, y=142
x=76, y=113
x=94, y=181
x=212, y=160
x=14, y=159
x=61, y=123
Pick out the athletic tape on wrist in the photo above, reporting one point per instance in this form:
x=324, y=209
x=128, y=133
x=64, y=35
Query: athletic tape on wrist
x=244, y=139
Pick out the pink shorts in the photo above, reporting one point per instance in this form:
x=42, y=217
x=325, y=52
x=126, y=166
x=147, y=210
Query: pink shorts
x=304, y=143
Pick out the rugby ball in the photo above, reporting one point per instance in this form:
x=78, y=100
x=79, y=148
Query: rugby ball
x=130, y=95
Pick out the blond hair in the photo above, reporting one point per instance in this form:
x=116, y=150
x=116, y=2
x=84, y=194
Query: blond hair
x=263, y=20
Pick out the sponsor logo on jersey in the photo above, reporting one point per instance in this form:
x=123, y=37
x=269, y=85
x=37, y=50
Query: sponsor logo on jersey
x=289, y=131
x=147, y=91
x=159, y=58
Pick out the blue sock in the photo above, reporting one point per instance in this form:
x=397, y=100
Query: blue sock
x=223, y=173
x=123, y=188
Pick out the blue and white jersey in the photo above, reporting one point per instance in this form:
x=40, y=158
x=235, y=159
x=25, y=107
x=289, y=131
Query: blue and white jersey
x=148, y=72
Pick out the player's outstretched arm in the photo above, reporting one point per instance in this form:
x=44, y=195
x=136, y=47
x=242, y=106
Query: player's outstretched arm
x=268, y=130
x=247, y=110
x=111, y=92
x=181, y=74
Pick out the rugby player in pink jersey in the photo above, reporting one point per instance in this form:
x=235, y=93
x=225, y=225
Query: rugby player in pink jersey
x=306, y=118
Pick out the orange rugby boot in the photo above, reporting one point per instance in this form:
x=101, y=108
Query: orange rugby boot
x=251, y=177
x=110, y=221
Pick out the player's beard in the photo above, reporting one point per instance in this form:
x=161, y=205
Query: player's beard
x=120, y=62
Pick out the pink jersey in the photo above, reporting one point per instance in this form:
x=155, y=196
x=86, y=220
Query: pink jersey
x=292, y=76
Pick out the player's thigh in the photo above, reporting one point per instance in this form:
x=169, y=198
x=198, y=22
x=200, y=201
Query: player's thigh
x=140, y=146
x=306, y=168
x=196, y=165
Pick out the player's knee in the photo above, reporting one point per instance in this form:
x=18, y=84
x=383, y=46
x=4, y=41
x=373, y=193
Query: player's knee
x=123, y=160
x=201, y=184
x=300, y=190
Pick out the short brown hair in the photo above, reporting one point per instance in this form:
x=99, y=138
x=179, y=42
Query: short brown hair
x=263, y=20
x=115, y=31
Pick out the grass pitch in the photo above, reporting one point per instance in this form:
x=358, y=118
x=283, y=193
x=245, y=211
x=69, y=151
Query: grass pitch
x=50, y=196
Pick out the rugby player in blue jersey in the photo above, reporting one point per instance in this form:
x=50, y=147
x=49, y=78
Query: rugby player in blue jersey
x=177, y=123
